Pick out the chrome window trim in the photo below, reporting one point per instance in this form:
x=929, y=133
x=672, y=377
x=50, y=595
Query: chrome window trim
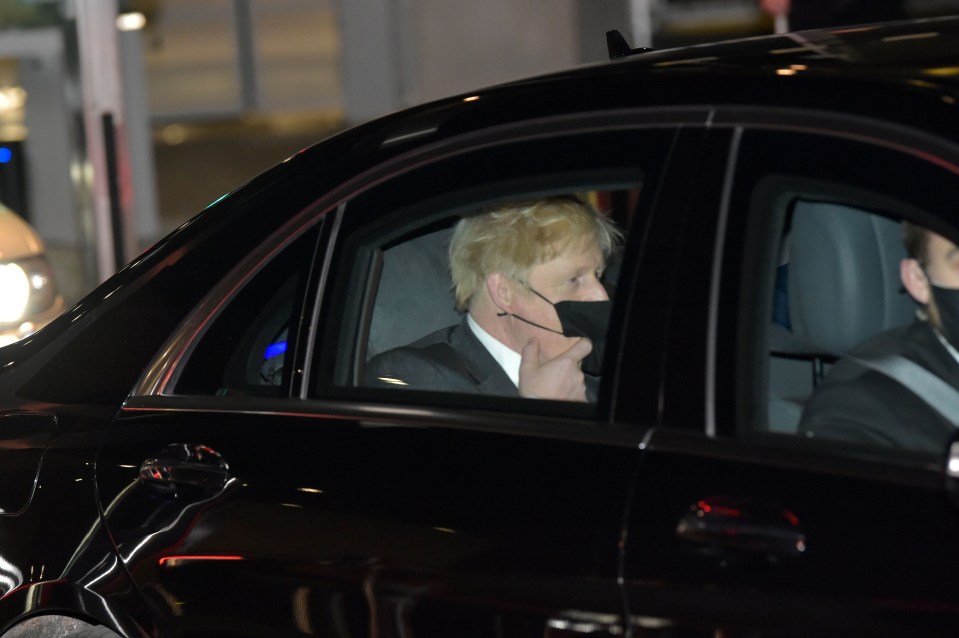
x=712, y=321
x=378, y=415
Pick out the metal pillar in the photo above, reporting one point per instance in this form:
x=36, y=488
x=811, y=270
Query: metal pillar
x=106, y=177
x=373, y=57
x=246, y=56
x=642, y=14
x=139, y=138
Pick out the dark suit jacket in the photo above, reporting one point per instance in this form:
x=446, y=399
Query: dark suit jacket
x=856, y=404
x=451, y=359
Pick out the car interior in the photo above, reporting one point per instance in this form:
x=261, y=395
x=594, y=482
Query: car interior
x=398, y=290
x=837, y=285
x=409, y=292
x=401, y=315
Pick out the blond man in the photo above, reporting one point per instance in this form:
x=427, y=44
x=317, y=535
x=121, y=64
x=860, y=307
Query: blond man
x=528, y=277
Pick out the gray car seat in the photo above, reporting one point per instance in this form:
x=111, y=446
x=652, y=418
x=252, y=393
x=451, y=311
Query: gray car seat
x=414, y=296
x=843, y=287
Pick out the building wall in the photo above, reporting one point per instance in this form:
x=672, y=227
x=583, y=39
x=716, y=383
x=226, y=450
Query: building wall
x=458, y=45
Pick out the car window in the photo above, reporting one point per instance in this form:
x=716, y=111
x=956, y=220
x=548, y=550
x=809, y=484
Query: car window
x=409, y=300
x=812, y=266
x=393, y=285
x=246, y=350
x=836, y=285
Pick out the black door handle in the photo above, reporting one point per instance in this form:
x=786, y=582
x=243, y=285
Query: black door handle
x=722, y=523
x=186, y=470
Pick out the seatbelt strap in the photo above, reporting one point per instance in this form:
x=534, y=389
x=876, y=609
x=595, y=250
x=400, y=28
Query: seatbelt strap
x=939, y=395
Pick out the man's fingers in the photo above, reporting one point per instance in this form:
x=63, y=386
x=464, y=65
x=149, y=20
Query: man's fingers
x=530, y=356
x=578, y=351
x=557, y=378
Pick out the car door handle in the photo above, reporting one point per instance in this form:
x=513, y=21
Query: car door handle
x=721, y=523
x=186, y=470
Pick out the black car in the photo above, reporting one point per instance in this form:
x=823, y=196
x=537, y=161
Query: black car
x=189, y=451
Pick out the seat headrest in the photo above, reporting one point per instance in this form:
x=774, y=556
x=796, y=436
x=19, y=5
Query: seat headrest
x=414, y=296
x=844, y=283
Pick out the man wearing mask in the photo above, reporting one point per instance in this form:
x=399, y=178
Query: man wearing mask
x=899, y=388
x=528, y=276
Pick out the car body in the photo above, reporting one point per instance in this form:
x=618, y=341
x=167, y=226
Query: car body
x=189, y=452
x=28, y=288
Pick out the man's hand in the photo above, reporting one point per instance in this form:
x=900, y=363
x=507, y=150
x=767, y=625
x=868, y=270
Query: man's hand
x=558, y=378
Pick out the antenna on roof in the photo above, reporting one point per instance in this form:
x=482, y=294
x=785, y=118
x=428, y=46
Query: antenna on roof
x=617, y=46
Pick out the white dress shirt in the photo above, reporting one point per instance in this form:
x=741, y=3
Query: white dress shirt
x=507, y=358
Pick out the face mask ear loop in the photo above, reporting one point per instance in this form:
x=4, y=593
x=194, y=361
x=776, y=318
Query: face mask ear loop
x=529, y=288
x=510, y=314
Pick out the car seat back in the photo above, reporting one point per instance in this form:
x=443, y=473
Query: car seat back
x=415, y=295
x=844, y=275
x=842, y=287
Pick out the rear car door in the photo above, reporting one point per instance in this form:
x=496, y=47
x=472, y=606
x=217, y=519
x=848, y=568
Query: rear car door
x=252, y=487
x=742, y=524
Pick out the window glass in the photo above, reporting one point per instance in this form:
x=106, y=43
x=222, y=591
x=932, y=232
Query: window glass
x=818, y=263
x=836, y=285
x=248, y=347
x=404, y=333
x=418, y=338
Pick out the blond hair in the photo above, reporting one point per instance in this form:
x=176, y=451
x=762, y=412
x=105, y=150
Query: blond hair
x=512, y=238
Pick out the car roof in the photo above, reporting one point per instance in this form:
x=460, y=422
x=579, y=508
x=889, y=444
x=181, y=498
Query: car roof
x=895, y=71
x=891, y=46
x=923, y=49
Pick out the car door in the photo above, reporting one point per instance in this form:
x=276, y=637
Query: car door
x=253, y=488
x=741, y=524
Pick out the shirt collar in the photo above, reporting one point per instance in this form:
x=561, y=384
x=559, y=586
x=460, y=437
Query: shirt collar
x=507, y=358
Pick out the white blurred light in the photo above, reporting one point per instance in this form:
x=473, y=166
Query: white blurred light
x=12, y=98
x=14, y=292
x=133, y=21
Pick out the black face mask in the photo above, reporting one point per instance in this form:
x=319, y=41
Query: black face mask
x=588, y=319
x=947, y=303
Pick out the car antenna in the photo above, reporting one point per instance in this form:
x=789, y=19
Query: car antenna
x=617, y=46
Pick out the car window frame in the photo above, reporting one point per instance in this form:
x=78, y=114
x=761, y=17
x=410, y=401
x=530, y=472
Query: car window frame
x=149, y=393
x=464, y=199
x=160, y=377
x=728, y=394
x=634, y=119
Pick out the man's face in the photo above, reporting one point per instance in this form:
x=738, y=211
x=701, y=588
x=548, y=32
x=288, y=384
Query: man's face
x=571, y=276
